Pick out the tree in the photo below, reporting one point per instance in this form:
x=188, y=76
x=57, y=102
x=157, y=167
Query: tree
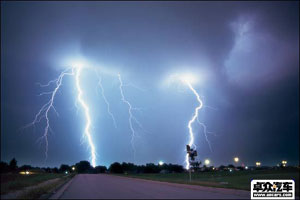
x=25, y=167
x=13, y=164
x=129, y=167
x=83, y=167
x=222, y=167
x=100, y=169
x=64, y=168
x=4, y=167
x=116, y=168
x=151, y=168
x=196, y=165
x=54, y=170
x=231, y=166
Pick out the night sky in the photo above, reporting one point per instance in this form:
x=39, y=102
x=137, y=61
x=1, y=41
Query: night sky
x=245, y=55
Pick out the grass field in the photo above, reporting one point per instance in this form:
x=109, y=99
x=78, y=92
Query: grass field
x=236, y=179
x=12, y=182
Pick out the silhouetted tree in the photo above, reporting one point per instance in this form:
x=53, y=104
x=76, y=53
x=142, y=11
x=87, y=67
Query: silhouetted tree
x=196, y=165
x=4, y=167
x=54, y=170
x=13, y=164
x=231, y=166
x=25, y=167
x=129, y=167
x=116, y=168
x=151, y=168
x=240, y=168
x=83, y=167
x=100, y=169
x=64, y=168
x=48, y=170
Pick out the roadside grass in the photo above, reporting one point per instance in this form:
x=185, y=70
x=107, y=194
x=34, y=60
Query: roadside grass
x=13, y=182
x=44, y=192
x=224, y=179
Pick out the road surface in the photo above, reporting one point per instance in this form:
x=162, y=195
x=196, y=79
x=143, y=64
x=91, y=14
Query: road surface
x=101, y=186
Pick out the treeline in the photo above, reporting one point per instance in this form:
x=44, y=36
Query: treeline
x=127, y=168
x=148, y=168
x=85, y=167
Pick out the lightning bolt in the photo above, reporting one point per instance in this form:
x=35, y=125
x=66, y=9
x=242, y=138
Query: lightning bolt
x=131, y=118
x=105, y=99
x=44, y=111
x=87, y=132
x=195, y=116
x=205, y=133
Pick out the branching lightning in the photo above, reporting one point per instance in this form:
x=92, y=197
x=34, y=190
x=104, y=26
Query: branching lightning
x=205, y=133
x=131, y=118
x=44, y=111
x=76, y=71
x=105, y=99
x=195, y=116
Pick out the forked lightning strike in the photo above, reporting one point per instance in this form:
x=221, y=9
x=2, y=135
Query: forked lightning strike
x=87, y=116
x=205, y=133
x=131, y=118
x=44, y=111
x=195, y=116
x=105, y=99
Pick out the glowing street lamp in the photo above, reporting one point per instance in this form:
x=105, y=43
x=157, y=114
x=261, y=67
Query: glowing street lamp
x=258, y=164
x=73, y=168
x=207, y=162
x=284, y=162
x=236, y=159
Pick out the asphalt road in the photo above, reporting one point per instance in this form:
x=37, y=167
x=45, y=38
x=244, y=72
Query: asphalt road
x=98, y=186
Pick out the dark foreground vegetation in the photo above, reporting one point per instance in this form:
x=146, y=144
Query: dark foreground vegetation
x=226, y=179
x=238, y=177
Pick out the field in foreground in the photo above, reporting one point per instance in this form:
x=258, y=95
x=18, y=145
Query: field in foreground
x=225, y=179
x=13, y=182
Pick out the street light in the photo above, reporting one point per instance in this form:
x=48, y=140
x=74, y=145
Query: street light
x=258, y=164
x=206, y=162
x=284, y=162
x=73, y=168
x=236, y=159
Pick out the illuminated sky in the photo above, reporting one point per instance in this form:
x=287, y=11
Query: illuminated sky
x=245, y=55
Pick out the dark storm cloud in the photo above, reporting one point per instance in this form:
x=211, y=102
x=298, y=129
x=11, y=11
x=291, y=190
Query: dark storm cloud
x=250, y=50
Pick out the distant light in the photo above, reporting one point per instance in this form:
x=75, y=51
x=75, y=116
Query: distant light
x=73, y=168
x=284, y=162
x=236, y=159
x=66, y=172
x=207, y=162
x=27, y=172
x=230, y=170
x=246, y=167
x=213, y=168
x=160, y=163
x=258, y=164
